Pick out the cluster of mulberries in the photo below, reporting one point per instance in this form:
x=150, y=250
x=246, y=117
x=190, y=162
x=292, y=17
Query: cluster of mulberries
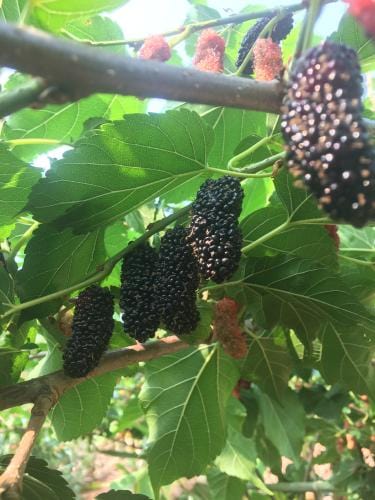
x=137, y=300
x=155, y=48
x=209, y=52
x=227, y=330
x=214, y=233
x=327, y=143
x=364, y=11
x=267, y=59
x=279, y=32
x=177, y=282
x=91, y=331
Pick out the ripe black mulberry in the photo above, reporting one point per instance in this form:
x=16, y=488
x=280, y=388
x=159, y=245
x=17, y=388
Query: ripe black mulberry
x=214, y=233
x=140, y=311
x=279, y=32
x=91, y=331
x=328, y=147
x=177, y=282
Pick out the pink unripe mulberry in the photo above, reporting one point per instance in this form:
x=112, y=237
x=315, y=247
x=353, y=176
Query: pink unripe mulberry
x=155, y=48
x=267, y=59
x=209, y=52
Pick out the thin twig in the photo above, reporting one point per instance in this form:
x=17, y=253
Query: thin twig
x=194, y=27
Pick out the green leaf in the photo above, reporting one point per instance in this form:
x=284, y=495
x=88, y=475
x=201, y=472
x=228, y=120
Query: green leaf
x=257, y=192
x=225, y=487
x=238, y=459
x=303, y=240
x=267, y=364
x=16, y=181
x=6, y=289
x=11, y=11
x=184, y=398
x=231, y=126
x=12, y=362
x=298, y=294
x=121, y=495
x=61, y=123
x=55, y=260
x=96, y=29
x=54, y=14
x=123, y=165
x=41, y=482
x=299, y=204
x=284, y=424
x=351, y=33
x=348, y=357
x=83, y=407
x=52, y=361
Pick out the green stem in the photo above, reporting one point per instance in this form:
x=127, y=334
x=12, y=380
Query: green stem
x=301, y=487
x=234, y=173
x=311, y=18
x=31, y=141
x=358, y=261
x=365, y=250
x=106, y=268
x=265, y=237
x=242, y=156
x=22, y=241
x=261, y=165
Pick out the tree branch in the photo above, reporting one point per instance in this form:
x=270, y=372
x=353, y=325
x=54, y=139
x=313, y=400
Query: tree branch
x=105, y=269
x=55, y=384
x=12, y=477
x=80, y=70
x=198, y=26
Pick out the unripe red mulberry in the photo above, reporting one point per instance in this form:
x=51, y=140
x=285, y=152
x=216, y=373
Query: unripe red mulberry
x=141, y=316
x=327, y=142
x=156, y=48
x=91, y=331
x=209, y=52
x=214, y=234
x=279, y=32
x=227, y=330
x=267, y=59
x=177, y=282
x=364, y=11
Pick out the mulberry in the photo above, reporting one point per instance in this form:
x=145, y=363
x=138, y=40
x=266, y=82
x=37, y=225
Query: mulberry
x=279, y=32
x=364, y=11
x=91, y=331
x=227, y=330
x=155, y=48
x=214, y=233
x=267, y=58
x=177, y=282
x=327, y=142
x=209, y=52
x=140, y=312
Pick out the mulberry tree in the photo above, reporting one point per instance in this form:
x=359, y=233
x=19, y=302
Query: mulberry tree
x=187, y=295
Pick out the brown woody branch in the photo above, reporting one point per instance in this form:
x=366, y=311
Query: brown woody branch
x=79, y=71
x=55, y=384
x=11, y=479
x=45, y=391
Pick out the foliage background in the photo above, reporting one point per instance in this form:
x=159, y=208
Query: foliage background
x=308, y=309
